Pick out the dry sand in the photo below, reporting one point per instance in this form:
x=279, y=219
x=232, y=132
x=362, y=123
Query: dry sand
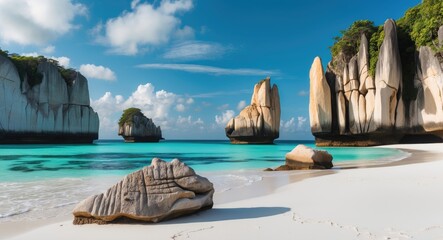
x=395, y=201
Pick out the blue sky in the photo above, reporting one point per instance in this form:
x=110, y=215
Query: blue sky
x=188, y=64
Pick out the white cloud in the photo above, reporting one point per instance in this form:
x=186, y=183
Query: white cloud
x=108, y=107
x=145, y=25
x=301, y=122
x=190, y=101
x=303, y=93
x=63, y=61
x=194, y=68
x=186, y=32
x=223, y=107
x=97, y=72
x=287, y=126
x=49, y=49
x=224, y=118
x=30, y=22
x=199, y=121
x=195, y=50
x=293, y=125
x=241, y=105
x=180, y=107
x=187, y=123
x=221, y=93
x=154, y=104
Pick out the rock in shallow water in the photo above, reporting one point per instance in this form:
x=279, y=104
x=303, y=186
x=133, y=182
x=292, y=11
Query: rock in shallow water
x=303, y=157
x=157, y=192
x=258, y=123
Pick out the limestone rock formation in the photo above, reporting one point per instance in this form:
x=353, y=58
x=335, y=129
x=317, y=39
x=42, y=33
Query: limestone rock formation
x=303, y=157
x=157, y=192
x=136, y=127
x=53, y=111
x=371, y=111
x=260, y=121
x=388, y=77
x=319, y=99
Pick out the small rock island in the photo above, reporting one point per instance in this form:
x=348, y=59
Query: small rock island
x=258, y=123
x=134, y=126
x=42, y=102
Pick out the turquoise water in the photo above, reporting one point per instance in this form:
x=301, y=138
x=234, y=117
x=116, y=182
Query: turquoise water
x=36, y=162
x=45, y=181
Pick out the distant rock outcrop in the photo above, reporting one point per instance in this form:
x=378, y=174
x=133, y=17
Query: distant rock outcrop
x=51, y=111
x=259, y=122
x=136, y=127
x=365, y=111
x=157, y=192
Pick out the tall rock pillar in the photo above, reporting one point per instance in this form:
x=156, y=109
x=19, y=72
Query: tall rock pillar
x=320, y=113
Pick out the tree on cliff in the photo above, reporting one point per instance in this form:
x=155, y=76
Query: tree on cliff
x=127, y=115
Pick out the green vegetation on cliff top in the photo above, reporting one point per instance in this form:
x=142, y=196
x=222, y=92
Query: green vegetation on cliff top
x=27, y=66
x=418, y=27
x=127, y=115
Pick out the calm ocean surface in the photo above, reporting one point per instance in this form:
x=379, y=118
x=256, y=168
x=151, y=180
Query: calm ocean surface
x=52, y=178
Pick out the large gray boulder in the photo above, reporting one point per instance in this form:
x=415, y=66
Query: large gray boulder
x=139, y=128
x=157, y=192
x=260, y=121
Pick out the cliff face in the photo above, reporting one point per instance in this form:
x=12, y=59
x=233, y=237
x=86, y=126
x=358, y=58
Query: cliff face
x=351, y=108
x=49, y=112
x=260, y=121
x=139, y=128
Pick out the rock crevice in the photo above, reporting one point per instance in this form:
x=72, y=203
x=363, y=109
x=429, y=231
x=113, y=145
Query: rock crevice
x=371, y=111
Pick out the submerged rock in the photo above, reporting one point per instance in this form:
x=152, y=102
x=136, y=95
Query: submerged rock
x=157, y=192
x=260, y=121
x=134, y=126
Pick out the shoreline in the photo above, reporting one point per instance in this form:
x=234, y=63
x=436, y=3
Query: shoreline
x=263, y=202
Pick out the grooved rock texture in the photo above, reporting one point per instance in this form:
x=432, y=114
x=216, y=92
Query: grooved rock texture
x=371, y=111
x=140, y=129
x=260, y=121
x=157, y=192
x=50, y=112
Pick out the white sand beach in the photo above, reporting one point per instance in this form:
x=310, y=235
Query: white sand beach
x=401, y=200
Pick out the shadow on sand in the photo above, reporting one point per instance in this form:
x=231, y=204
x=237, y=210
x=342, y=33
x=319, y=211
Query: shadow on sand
x=224, y=214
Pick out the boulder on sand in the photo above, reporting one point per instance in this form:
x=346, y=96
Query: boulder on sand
x=303, y=157
x=160, y=191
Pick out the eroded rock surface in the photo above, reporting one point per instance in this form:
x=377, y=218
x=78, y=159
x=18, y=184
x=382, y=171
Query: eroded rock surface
x=260, y=121
x=303, y=157
x=140, y=129
x=368, y=111
x=50, y=112
x=157, y=192
x=320, y=113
